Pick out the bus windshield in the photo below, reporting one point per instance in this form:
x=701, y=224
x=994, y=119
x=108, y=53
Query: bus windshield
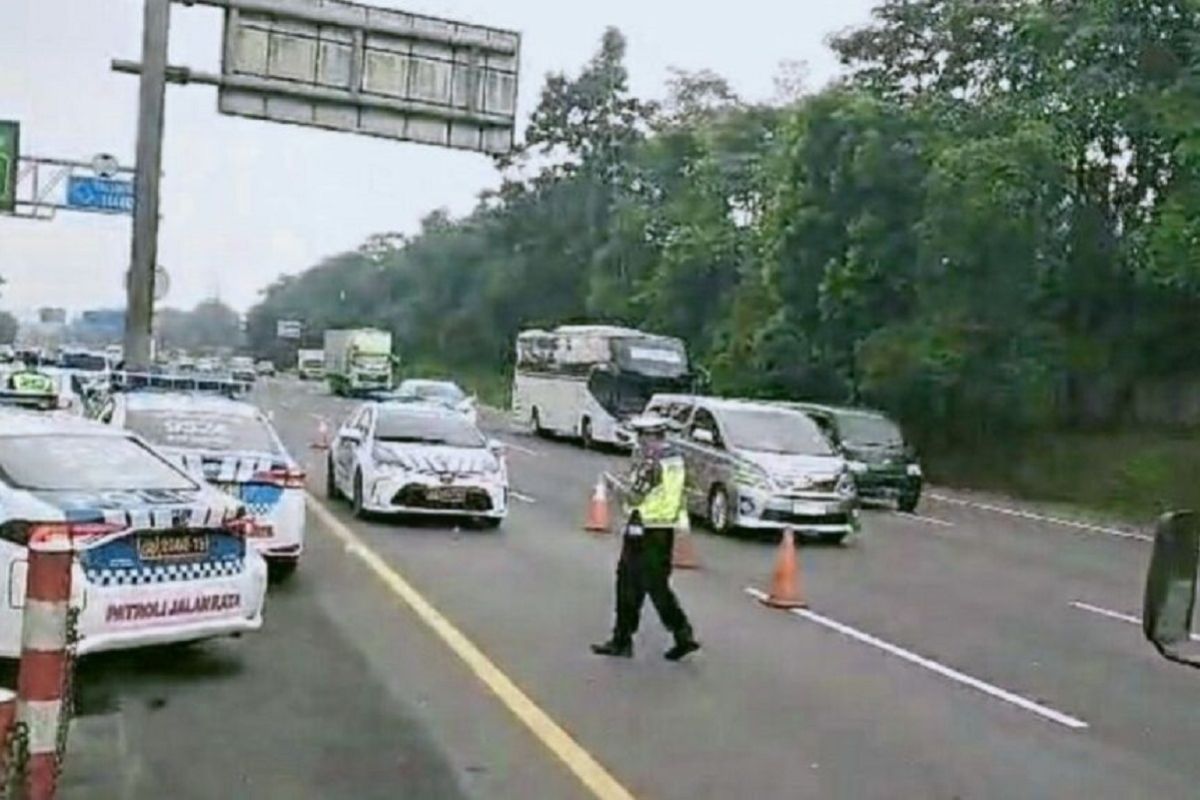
x=653, y=357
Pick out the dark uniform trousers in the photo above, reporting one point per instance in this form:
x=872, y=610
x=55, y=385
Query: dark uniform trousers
x=645, y=569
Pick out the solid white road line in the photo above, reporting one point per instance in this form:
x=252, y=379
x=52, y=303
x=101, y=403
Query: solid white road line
x=1117, y=615
x=933, y=666
x=1068, y=523
x=923, y=518
x=524, y=498
x=574, y=757
x=519, y=448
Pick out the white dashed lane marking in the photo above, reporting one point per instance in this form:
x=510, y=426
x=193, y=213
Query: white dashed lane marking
x=933, y=666
x=1117, y=615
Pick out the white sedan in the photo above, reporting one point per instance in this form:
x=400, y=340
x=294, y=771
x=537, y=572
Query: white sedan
x=417, y=458
x=232, y=445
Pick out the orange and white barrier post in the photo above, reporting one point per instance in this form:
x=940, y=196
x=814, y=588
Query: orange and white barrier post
x=42, y=677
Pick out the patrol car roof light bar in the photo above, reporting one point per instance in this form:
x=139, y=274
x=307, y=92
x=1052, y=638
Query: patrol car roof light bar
x=149, y=381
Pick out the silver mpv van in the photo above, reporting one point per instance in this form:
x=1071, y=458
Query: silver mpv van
x=757, y=465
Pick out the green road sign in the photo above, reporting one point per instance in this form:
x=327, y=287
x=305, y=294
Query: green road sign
x=10, y=148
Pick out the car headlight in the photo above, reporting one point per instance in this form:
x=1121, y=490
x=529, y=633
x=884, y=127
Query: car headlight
x=914, y=470
x=753, y=477
x=846, y=486
x=857, y=467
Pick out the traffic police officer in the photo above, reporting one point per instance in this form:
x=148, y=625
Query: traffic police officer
x=657, y=502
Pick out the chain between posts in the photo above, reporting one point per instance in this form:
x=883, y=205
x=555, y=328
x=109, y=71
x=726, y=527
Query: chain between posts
x=16, y=745
x=67, y=706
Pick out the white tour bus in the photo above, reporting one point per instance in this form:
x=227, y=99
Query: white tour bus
x=585, y=381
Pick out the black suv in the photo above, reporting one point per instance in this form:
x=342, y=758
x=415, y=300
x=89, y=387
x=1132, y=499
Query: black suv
x=885, y=467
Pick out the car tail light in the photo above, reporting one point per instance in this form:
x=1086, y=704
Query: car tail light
x=241, y=527
x=285, y=478
x=80, y=533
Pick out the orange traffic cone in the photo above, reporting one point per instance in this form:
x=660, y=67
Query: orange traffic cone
x=322, y=440
x=787, y=585
x=597, y=515
x=683, y=553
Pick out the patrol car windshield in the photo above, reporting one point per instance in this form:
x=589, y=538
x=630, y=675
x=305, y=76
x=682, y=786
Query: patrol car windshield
x=433, y=390
x=426, y=429
x=774, y=431
x=210, y=431
x=869, y=430
x=85, y=463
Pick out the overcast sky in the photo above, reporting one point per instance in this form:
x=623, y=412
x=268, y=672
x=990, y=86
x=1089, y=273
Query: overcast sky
x=245, y=201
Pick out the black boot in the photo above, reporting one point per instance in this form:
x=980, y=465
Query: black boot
x=685, y=644
x=620, y=648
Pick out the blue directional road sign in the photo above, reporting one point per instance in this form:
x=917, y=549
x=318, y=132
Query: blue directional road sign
x=104, y=195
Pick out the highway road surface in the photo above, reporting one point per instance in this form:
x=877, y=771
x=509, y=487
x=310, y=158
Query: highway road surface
x=963, y=652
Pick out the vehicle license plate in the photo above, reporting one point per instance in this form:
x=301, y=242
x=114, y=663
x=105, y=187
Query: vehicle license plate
x=172, y=546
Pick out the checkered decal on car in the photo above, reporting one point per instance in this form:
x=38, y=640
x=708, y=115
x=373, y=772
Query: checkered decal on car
x=164, y=573
x=260, y=499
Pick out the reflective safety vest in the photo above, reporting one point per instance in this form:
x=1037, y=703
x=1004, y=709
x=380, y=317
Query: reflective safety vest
x=662, y=505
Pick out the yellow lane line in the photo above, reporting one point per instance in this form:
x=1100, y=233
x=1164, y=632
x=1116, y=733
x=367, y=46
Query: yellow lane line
x=579, y=761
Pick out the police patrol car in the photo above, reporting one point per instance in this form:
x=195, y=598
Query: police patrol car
x=44, y=389
x=417, y=458
x=160, y=556
x=230, y=444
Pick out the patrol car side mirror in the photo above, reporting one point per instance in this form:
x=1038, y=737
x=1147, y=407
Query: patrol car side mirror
x=703, y=435
x=497, y=448
x=351, y=435
x=1170, y=597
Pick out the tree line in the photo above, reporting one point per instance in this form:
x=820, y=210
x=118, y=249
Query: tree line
x=988, y=223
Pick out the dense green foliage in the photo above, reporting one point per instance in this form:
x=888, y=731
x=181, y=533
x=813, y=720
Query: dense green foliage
x=990, y=222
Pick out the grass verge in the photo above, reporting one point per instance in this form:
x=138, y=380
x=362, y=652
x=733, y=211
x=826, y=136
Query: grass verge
x=1133, y=475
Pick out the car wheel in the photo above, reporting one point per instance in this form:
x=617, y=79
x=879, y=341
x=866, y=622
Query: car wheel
x=719, y=510
x=357, y=500
x=490, y=523
x=331, y=490
x=281, y=570
x=833, y=538
x=908, y=502
x=585, y=434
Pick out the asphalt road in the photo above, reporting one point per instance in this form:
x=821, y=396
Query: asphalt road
x=944, y=660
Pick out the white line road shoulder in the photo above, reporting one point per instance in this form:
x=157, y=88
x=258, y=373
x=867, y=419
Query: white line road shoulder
x=923, y=518
x=933, y=666
x=1117, y=615
x=524, y=498
x=519, y=448
x=1067, y=523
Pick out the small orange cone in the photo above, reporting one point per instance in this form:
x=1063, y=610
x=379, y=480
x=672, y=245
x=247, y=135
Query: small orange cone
x=787, y=585
x=597, y=515
x=683, y=552
x=322, y=441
